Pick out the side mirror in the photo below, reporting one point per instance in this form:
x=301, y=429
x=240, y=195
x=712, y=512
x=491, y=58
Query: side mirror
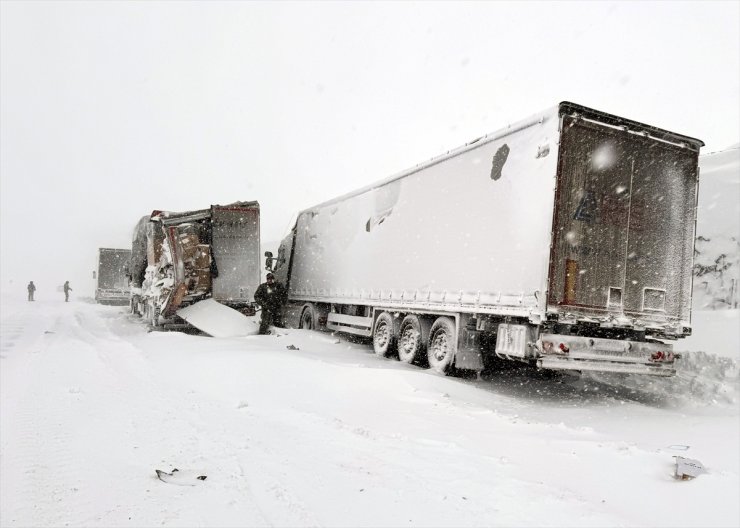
x=268, y=260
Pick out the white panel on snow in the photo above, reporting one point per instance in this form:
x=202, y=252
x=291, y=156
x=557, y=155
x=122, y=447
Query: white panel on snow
x=218, y=320
x=688, y=468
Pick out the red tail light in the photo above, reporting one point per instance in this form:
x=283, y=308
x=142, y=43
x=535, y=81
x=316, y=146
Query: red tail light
x=661, y=356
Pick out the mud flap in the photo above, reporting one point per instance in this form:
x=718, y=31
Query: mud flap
x=469, y=354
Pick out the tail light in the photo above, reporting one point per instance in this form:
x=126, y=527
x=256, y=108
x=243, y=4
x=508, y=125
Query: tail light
x=548, y=347
x=660, y=356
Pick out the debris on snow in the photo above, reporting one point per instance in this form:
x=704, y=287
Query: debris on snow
x=688, y=468
x=179, y=478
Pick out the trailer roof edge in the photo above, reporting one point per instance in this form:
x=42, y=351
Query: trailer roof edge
x=611, y=119
x=559, y=109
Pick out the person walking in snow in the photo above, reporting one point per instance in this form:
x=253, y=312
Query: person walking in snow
x=31, y=289
x=67, y=289
x=271, y=296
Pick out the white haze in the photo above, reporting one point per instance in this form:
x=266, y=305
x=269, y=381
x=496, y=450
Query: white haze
x=110, y=110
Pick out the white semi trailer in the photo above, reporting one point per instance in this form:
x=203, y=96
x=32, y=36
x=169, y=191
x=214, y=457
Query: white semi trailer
x=565, y=241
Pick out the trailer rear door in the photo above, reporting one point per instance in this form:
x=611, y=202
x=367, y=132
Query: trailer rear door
x=111, y=268
x=624, y=223
x=236, y=251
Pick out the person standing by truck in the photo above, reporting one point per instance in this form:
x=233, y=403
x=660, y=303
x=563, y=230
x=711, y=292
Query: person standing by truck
x=67, y=289
x=271, y=296
x=31, y=289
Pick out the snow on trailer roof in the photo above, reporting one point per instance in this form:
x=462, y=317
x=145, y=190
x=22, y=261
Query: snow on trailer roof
x=564, y=107
x=168, y=217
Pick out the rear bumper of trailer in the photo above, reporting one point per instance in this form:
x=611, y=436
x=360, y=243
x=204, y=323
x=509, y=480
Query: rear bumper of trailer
x=567, y=352
x=554, y=363
x=560, y=352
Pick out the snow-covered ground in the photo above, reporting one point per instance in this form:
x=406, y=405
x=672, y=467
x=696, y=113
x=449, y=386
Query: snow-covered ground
x=328, y=434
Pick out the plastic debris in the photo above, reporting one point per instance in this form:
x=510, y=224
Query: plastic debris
x=688, y=468
x=179, y=478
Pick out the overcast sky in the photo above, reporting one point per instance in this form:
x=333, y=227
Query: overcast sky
x=110, y=110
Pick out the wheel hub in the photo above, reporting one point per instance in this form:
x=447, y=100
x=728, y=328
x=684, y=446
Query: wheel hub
x=409, y=339
x=439, y=346
x=381, y=335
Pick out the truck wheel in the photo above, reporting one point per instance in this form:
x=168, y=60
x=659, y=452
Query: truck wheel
x=308, y=321
x=384, y=339
x=442, y=345
x=410, y=339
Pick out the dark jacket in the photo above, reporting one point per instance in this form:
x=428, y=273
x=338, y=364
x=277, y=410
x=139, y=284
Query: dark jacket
x=271, y=297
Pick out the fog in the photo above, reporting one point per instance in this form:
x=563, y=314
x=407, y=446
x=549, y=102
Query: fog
x=111, y=110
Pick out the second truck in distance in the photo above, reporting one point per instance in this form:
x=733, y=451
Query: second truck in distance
x=111, y=281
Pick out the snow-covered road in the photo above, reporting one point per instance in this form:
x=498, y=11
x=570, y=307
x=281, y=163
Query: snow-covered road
x=331, y=435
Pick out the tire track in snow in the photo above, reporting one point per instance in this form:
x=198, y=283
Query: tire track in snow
x=183, y=426
x=36, y=440
x=54, y=427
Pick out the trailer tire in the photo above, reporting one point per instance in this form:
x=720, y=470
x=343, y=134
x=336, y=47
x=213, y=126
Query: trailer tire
x=411, y=339
x=384, y=335
x=442, y=345
x=308, y=318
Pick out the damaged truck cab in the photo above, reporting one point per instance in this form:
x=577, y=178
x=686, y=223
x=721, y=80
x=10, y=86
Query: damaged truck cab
x=564, y=241
x=182, y=258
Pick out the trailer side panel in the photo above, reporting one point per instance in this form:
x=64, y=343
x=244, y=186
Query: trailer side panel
x=467, y=232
